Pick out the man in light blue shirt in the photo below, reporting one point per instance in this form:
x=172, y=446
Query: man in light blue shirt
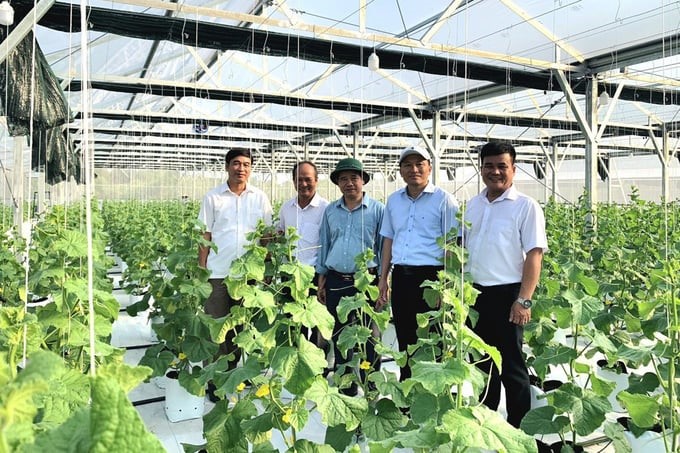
x=350, y=225
x=415, y=216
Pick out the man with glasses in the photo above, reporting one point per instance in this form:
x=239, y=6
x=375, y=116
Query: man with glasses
x=230, y=212
x=506, y=242
x=415, y=216
x=350, y=225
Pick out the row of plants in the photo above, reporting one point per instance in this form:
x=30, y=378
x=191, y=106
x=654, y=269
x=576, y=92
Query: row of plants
x=612, y=288
x=281, y=382
x=51, y=398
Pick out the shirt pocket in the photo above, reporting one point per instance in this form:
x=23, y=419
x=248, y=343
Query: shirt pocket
x=502, y=229
x=309, y=231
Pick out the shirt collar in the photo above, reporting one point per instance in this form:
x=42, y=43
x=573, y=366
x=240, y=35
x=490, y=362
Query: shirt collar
x=429, y=188
x=316, y=199
x=225, y=188
x=510, y=194
x=340, y=202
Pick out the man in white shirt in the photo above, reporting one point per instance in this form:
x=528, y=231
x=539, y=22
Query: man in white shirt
x=506, y=242
x=230, y=212
x=304, y=212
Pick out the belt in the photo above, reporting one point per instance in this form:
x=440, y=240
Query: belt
x=416, y=270
x=350, y=277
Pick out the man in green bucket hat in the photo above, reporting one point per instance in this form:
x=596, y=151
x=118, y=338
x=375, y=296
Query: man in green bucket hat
x=350, y=225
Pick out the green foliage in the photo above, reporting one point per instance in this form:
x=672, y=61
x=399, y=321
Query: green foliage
x=614, y=289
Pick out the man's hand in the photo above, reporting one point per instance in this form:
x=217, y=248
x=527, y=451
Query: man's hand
x=321, y=295
x=384, y=294
x=519, y=315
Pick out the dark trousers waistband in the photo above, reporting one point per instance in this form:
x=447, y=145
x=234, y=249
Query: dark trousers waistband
x=507, y=286
x=416, y=270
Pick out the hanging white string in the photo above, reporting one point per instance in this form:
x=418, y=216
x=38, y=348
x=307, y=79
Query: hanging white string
x=20, y=218
x=88, y=160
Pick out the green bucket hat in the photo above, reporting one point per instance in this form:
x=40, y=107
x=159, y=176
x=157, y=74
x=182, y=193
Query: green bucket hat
x=349, y=164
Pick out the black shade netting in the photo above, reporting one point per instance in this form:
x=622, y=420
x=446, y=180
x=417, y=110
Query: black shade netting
x=51, y=152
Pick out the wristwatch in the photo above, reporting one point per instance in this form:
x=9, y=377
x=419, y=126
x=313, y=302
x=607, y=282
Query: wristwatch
x=526, y=303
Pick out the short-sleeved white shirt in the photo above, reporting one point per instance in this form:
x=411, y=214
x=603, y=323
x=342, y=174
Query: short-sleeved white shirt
x=229, y=217
x=501, y=234
x=307, y=221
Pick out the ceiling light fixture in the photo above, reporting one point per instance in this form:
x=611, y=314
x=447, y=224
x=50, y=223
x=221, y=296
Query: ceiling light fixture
x=373, y=62
x=6, y=13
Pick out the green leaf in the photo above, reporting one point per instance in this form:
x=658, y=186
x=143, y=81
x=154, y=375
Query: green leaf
x=114, y=424
x=480, y=427
x=241, y=374
x=312, y=314
x=646, y=383
x=602, y=387
x=299, y=366
x=349, y=304
x=590, y=285
x=542, y=421
x=222, y=429
x=614, y=431
x=642, y=409
x=336, y=409
x=307, y=446
x=383, y=421
x=587, y=409
x=71, y=436
x=301, y=276
x=254, y=297
x=638, y=354
x=262, y=423
x=425, y=437
x=424, y=407
x=584, y=307
x=553, y=354
x=127, y=377
x=199, y=349
x=338, y=437
x=249, y=266
x=72, y=243
x=437, y=377
x=351, y=336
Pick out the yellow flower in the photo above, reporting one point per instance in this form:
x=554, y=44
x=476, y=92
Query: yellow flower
x=286, y=416
x=449, y=354
x=240, y=387
x=262, y=391
x=365, y=365
x=182, y=356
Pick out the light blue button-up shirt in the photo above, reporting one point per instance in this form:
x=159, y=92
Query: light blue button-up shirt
x=344, y=234
x=415, y=224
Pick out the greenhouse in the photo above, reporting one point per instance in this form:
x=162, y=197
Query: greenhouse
x=123, y=120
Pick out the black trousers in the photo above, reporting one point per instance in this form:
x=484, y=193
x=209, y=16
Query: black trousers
x=336, y=288
x=218, y=305
x=407, y=302
x=493, y=305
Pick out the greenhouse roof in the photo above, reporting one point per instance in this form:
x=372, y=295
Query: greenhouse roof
x=173, y=85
